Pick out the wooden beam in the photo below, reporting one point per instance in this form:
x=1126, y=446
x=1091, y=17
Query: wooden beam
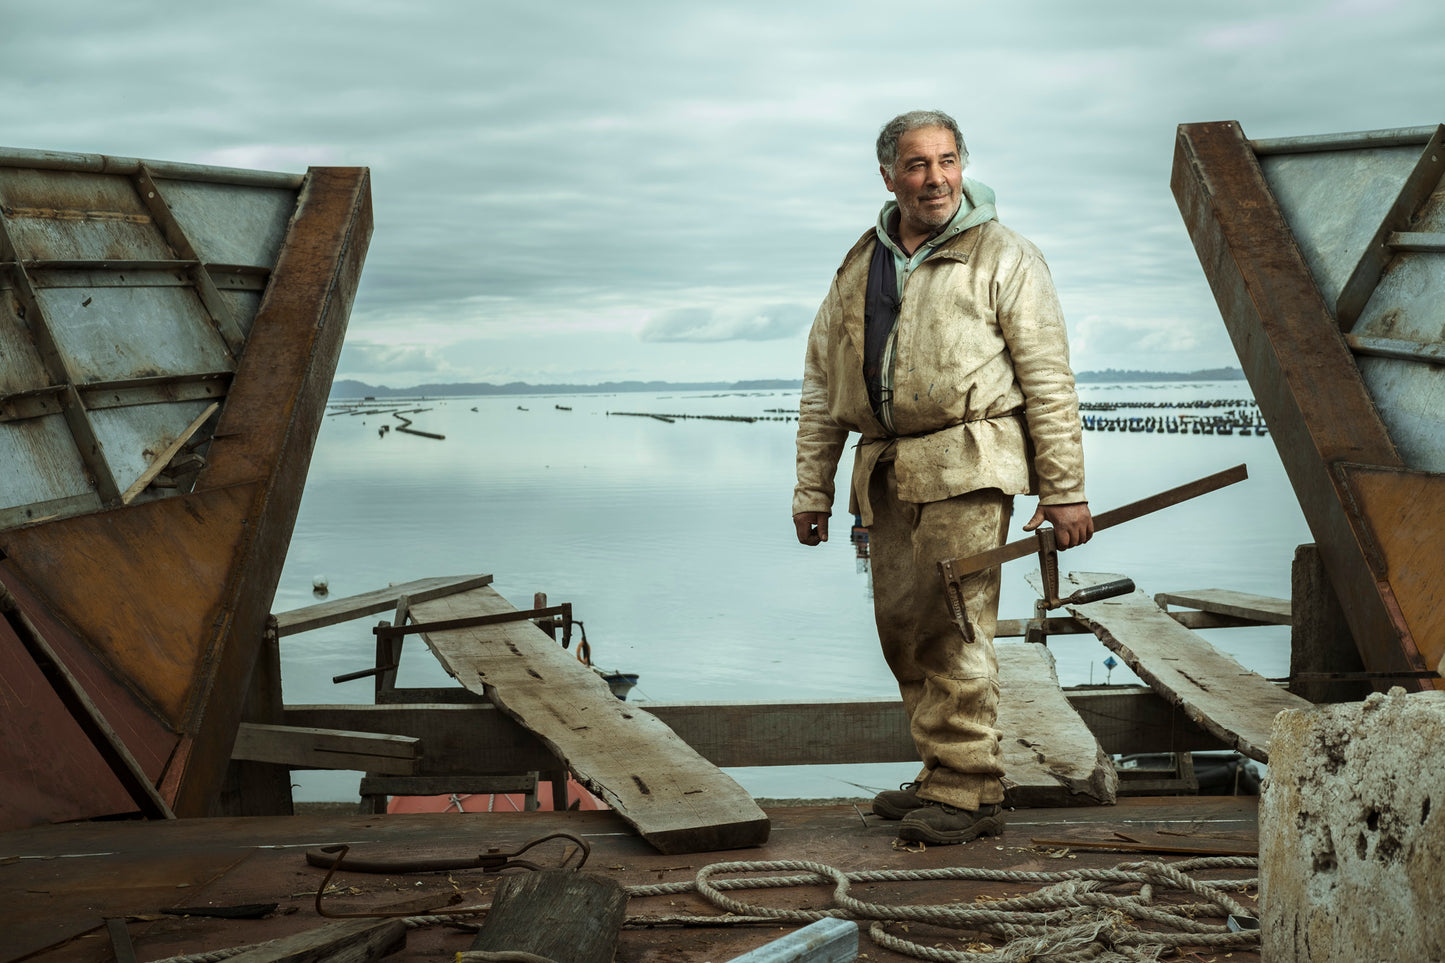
x=1258, y=608
x=314, y=748
x=525, y=783
x=1319, y=638
x=464, y=739
x=1214, y=690
x=336, y=611
x=347, y=941
x=677, y=801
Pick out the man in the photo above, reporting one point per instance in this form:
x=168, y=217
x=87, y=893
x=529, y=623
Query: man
x=941, y=342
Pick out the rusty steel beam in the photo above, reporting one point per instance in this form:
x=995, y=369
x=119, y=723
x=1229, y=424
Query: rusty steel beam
x=292, y=352
x=1303, y=375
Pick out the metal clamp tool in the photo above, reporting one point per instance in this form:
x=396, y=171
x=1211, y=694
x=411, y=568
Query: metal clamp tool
x=954, y=570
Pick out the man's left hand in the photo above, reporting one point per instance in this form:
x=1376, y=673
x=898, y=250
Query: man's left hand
x=1073, y=524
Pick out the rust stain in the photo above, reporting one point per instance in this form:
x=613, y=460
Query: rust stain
x=63, y=214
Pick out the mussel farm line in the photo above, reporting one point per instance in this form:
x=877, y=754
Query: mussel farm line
x=1241, y=417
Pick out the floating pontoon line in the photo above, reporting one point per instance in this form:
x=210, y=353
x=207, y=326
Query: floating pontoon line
x=1309, y=143
x=108, y=164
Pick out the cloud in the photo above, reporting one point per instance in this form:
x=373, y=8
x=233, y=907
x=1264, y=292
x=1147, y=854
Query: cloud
x=771, y=322
x=639, y=169
x=391, y=358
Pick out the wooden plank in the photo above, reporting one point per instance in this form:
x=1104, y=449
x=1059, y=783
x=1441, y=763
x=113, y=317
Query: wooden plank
x=677, y=801
x=1063, y=625
x=1215, y=691
x=1260, y=608
x=164, y=458
x=554, y=914
x=348, y=941
x=1050, y=757
x=369, y=603
x=525, y=783
x=313, y=748
x=1319, y=637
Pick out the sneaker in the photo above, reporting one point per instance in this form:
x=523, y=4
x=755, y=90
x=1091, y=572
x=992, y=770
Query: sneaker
x=897, y=803
x=944, y=825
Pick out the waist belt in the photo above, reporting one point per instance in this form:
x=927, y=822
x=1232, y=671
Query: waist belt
x=1011, y=413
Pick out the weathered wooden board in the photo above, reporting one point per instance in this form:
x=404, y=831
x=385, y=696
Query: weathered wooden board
x=554, y=914
x=320, y=748
x=1259, y=608
x=1050, y=757
x=336, y=611
x=1214, y=691
x=678, y=801
x=349, y=941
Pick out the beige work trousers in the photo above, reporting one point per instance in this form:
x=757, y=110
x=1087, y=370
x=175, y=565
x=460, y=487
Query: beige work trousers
x=949, y=686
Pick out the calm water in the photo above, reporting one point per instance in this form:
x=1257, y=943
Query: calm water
x=675, y=545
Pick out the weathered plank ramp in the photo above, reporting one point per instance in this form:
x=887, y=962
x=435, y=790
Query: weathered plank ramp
x=1050, y=756
x=1260, y=608
x=1213, y=690
x=336, y=611
x=678, y=801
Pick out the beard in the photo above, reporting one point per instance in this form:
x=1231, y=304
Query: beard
x=934, y=218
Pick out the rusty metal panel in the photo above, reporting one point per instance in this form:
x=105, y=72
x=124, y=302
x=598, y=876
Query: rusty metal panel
x=1333, y=236
x=229, y=223
x=39, y=465
x=1405, y=306
x=1274, y=268
x=122, y=326
x=67, y=216
x=121, y=343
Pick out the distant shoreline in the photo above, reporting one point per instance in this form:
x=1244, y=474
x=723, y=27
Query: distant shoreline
x=349, y=388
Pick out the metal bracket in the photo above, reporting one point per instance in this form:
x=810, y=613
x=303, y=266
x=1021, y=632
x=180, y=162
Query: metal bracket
x=564, y=611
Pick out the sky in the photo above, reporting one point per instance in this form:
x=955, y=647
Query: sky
x=579, y=192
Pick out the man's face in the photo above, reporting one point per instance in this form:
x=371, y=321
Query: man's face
x=926, y=179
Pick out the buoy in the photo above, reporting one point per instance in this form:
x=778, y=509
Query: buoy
x=319, y=585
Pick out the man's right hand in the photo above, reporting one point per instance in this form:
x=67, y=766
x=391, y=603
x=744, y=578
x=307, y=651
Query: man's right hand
x=812, y=527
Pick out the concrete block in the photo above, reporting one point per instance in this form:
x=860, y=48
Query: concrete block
x=1352, y=832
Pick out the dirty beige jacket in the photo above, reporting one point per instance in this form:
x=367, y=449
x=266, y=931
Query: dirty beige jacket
x=983, y=396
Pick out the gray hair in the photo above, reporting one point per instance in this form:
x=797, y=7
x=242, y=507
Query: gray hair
x=915, y=120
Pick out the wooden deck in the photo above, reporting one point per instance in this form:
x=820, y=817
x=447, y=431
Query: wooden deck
x=59, y=884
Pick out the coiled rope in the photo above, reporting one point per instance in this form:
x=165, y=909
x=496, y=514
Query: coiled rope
x=1072, y=918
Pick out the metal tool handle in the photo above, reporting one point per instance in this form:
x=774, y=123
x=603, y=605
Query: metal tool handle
x=1097, y=593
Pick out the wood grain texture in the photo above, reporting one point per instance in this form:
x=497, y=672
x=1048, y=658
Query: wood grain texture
x=336, y=611
x=348, y=941
x=1260, y=608
x=1214, y=691
x=316, y=748
x=678, y=801
x=554, y=914
x=1050, y=757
